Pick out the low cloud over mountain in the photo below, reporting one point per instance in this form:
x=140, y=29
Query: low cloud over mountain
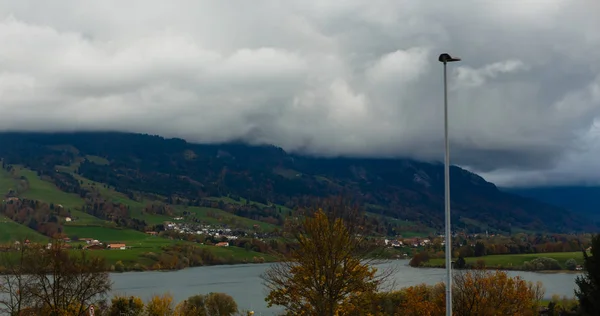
x=356, y=78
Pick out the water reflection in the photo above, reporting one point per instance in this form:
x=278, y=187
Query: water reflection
x=243, y=282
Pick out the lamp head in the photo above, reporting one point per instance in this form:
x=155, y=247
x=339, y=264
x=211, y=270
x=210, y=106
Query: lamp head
x=446, y=58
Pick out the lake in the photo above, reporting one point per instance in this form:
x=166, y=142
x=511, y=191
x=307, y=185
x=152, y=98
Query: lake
x=243, y=282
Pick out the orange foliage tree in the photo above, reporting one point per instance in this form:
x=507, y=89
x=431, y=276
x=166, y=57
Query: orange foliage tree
x=160, y=305
x=475, y=293
x=424, y=300
x=481, y=292
x=329, y=271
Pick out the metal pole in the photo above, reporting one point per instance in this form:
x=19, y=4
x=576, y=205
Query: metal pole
x=447, y=202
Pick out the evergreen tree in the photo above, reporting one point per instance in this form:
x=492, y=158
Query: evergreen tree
x=588, y=292
x=460, y=263
x=479, y=249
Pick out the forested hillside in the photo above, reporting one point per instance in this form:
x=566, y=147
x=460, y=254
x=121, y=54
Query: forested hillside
x=262, y=183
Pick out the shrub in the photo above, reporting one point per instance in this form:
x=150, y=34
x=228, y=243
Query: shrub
x=212, y=304
x=160, y=305
x=544, y=263
x=122, y=305
x=571, y=264
x=418, y=259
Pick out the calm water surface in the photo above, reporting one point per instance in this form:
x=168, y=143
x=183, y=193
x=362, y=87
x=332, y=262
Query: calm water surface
x=243, y=282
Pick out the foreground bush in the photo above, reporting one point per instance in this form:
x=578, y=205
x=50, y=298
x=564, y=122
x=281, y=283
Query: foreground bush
x=475, y=293
x=122, y=305
x=212, y=304
x=542, y=263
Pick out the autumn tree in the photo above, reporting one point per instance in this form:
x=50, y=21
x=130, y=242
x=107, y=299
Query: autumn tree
x=13, y=281
x=220, y=304
x=329, y=270
x=423, y=300
x=66, y=281
x=58, y=282
x=474, y=293
x=123, y=305
x=588, y=285
x=482, y=292
x=419, y=259
x=160, y=305
x=212, y=304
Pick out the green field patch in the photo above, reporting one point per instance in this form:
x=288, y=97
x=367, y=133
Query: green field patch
x=243, y=201
x=106, y=234
x=66, y=148
x=510, y=261
x=237, y=253
x=128, y=256
x=474, y=223
x=213, y=216
x=107, y=192
x=323, y=179
x=46, y=191
x=97, y=160
x=407, y=229
x=81, y=218
x=7, y=183
x=412, y=234
x=135, y=207
x=287, y=173
x=12, y=231
x=152, y=219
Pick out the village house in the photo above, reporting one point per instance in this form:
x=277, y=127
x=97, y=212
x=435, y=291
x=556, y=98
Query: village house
x=117, y=246
x=62, y=246
x=94, y=247
x=393, y=243
x=152, y=233
x=222, y=244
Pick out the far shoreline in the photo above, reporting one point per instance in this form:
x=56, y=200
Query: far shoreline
x=505, y=269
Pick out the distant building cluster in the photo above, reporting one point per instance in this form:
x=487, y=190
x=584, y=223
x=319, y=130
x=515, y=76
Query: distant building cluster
x=209, y=230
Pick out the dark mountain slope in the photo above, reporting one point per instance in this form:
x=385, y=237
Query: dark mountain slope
x=583, y=200
x=399, y=188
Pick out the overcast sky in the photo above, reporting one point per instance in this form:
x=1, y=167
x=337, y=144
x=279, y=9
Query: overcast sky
x=327, y=77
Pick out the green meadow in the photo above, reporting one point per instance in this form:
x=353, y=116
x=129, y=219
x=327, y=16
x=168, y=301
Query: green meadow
x=220, y=217
x=514, y=261
x=11, y=231
x=87, y=226
x=106, y=234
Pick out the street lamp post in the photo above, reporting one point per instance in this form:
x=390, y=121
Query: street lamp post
x=445, y=59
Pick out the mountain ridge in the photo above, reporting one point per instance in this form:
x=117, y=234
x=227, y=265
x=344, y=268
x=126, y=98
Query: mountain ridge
x=584, y=200
x=173, y=168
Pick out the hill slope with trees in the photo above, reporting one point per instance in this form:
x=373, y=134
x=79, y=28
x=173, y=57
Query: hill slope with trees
x=181, y=173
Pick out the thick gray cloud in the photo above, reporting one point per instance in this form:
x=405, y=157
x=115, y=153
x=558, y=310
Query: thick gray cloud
x=323, y=77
